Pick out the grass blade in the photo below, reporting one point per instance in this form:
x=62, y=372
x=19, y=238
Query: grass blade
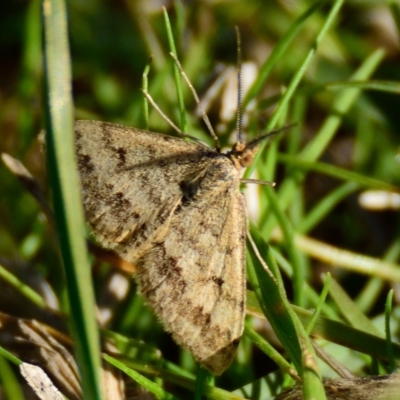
x=66, y=196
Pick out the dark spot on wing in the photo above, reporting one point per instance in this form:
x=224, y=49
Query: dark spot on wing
x=169, y=267
x=121, y=152
x=121, y=203
x=229, y=251
x=217, y=280
x=199, y=317
x=85, y=164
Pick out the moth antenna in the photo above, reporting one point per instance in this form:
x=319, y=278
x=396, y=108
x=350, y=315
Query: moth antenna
x=173, y=126
x=255, y=142
x=204, y=116
x=154, y=104
x=239, y=114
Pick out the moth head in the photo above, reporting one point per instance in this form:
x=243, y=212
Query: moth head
x=243, y=154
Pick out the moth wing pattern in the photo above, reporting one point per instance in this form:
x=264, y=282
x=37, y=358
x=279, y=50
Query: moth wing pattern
x=194, y=278
x=130, y=182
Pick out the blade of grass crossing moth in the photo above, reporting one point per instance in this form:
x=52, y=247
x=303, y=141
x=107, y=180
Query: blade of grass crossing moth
x=66, y=196
x=177, y=75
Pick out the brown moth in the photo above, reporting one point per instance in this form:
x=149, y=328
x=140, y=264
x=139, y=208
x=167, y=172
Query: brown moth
x=173, y=208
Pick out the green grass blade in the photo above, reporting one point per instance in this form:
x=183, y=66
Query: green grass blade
x=337, y=172
x=345, y=335
x=23, y=288
x=388, y=313
x=288, y=233
x=321, y=302
x=188, y=383
x=177, y=74
x=340, y=107
x=29, y=82
x=315, y=148
x=351, y=313
x=278, y=52
x=325, y=206
x=285, y=323
x=145, y=86
x=297, y=77
x=10, y=385
x=66, y=196
x=395, y=10
x=203, y=379
x=268, y=349
x=380, y=86
x=371, y=291
x=271, y=297
x=152, y=387
x=336, y=332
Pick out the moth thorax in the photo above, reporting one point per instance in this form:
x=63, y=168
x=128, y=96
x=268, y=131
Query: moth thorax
x=242, y=155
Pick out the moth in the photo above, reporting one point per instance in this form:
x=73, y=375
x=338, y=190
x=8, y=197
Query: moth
x=174, y=209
